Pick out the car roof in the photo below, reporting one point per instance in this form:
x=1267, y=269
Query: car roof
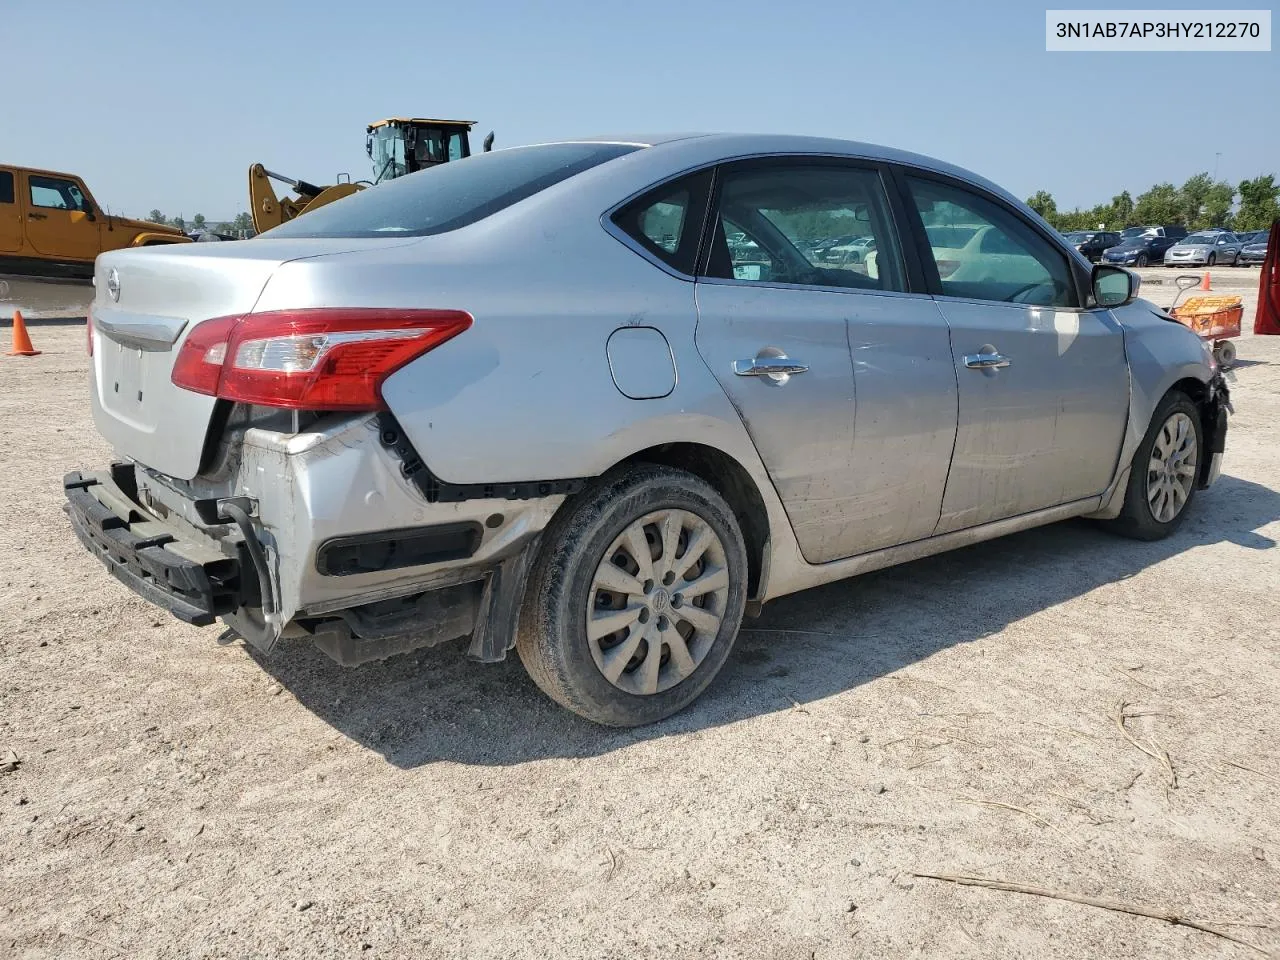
x=729, y=146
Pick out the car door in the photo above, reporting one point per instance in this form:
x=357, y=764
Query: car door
x=1231, y=249
x=59, y=221
x=10, y=215
x=842, y=377
x=1043, y=383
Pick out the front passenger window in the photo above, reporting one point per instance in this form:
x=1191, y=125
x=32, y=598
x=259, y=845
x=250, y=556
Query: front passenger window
x=985, y=252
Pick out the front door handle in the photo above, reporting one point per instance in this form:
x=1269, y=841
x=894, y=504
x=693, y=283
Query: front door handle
x=778, y=369
x=37, y=216
x=986, y=361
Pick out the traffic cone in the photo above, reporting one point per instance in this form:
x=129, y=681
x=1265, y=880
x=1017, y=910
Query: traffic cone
x=21, y=339
x=1204, y=284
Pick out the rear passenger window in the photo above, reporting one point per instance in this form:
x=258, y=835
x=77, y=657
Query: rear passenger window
x=6, y=186
x=804, y=224
x=985, y=252
x=667, y=222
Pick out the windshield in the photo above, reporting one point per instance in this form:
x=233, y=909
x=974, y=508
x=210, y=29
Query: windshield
x=1132, y=233
x=451, y=195
x=1200, y=239
x=386, y=150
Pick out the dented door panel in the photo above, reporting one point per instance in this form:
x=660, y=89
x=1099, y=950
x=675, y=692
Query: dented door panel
x=1046, y=428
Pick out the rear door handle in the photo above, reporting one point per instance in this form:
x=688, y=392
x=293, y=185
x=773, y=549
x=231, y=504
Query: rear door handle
x=777, y=369
x=986, y=361
x=37, y=216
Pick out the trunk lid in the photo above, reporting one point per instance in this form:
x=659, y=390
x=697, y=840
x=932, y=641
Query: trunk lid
x=146, y=301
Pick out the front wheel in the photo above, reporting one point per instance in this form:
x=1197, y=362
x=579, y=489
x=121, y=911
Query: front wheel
x=637, y=597
x=1212, y=259
x=1166, y=467
x=1141, y=261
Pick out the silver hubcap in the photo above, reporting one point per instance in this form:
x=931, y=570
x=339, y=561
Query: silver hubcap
x=656, y=601
x=1172, y=469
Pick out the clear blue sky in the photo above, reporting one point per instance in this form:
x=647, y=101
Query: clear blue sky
x=165, y=103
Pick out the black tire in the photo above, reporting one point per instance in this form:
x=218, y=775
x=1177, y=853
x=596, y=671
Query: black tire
x=1141, y=261
x=1213, y=258
x=1137, y=519
x=552, y=636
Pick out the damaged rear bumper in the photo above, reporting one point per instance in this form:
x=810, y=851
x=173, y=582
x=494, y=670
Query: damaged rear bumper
x=318, y=534
x=193, y=581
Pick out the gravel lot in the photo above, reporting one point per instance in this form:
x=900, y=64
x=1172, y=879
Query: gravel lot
x=174, y=798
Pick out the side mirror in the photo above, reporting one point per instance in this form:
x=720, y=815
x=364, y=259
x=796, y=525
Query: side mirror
x=80, y=216
x=1114, y=287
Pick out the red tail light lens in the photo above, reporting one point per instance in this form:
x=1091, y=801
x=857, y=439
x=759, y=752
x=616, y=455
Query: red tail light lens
x=199, y=364
x=316, y=359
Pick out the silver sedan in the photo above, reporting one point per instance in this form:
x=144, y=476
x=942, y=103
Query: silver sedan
x=594, y=400
x=1204, y=250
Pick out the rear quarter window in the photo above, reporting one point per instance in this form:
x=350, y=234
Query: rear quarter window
x=6, y=186
x=452, y=195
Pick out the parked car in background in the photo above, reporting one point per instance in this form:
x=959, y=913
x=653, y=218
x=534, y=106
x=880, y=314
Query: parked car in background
x=1172, y=231
x=1254, y=250
x=337, y=432
x=1141, y=250
x=1093, y=243
x=1205, y=248
x=855, y=251
x=834, y=252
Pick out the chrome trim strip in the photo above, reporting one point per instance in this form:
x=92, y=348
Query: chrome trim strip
x=138, y=329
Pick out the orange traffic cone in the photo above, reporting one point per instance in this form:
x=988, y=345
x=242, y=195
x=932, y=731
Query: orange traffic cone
x=21, y=339
x=1204, y=284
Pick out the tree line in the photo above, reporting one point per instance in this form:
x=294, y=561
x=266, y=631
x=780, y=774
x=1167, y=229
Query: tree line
x=1198, y=204
x=242, y=224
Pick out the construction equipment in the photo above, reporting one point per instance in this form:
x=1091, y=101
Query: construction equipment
x=396, y=146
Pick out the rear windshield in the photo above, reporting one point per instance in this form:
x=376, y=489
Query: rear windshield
x=451, y=195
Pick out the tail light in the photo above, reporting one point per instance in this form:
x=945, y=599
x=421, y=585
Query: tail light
x=316, y=359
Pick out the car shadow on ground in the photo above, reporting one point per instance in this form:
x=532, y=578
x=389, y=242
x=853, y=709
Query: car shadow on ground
x=434, y=705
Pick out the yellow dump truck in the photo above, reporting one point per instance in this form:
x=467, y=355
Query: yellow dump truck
x=50, y=225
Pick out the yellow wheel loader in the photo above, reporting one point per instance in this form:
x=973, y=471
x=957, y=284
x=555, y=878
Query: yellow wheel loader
x=396, y=146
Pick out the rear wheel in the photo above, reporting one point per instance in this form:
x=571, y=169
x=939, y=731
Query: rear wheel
x=1166, y=466
x=637, y=597
x=1213, y=258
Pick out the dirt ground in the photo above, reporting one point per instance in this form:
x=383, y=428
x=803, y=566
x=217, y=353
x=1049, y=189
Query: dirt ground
x=958, y=715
